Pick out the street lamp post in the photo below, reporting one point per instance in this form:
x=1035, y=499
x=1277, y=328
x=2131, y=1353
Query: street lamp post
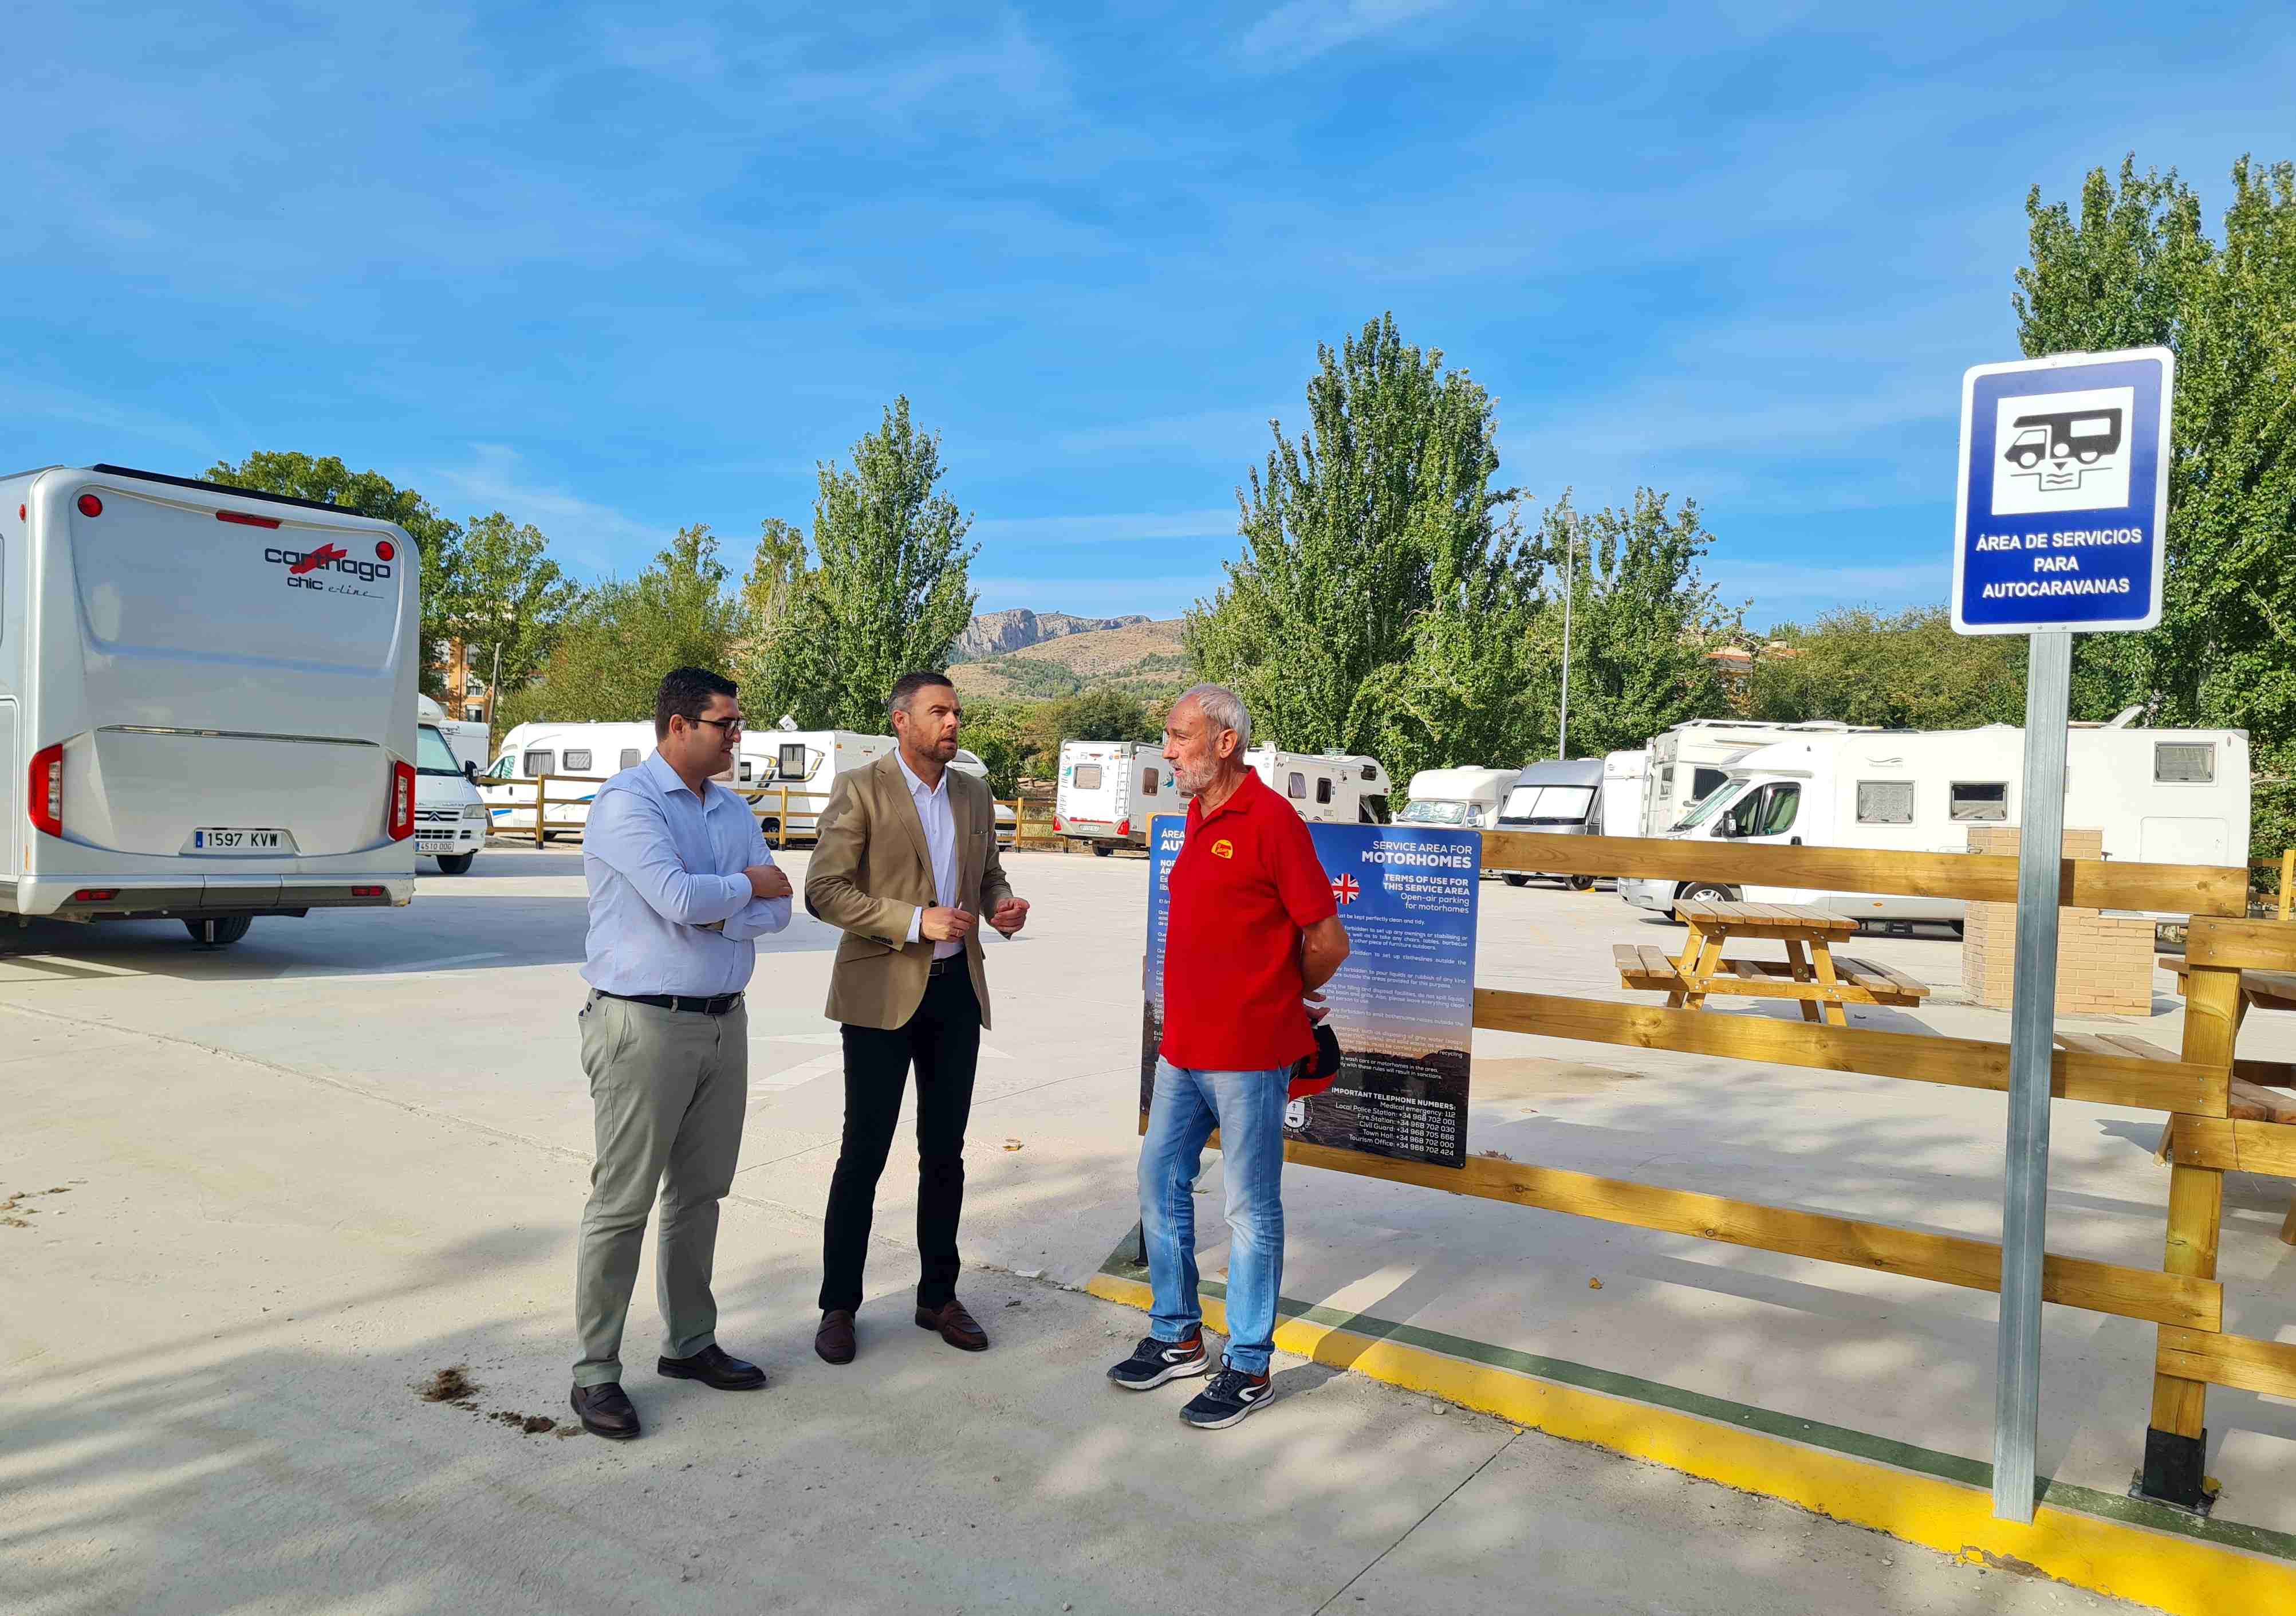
x=1570, y=581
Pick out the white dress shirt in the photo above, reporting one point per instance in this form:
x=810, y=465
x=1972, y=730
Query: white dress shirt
x=939, y=820
x=670, y=911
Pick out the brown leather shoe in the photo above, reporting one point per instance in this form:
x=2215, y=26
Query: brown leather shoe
x=957, y=1327
x=834, y=1340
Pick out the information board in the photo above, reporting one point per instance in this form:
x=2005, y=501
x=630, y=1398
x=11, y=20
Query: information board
x=1403, y=1005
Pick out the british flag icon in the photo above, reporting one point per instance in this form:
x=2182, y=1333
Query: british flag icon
x=1345, y=889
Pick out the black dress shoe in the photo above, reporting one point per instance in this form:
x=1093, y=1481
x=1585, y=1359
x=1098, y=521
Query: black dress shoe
x=713, y=1366
x=834, y=1340
x=605, y=1412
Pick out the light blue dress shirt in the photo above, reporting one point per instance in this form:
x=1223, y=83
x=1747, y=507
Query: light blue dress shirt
x=939, y=820
x=670, y=911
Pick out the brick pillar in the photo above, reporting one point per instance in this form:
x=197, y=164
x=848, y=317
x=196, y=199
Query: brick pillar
x=2105, y=963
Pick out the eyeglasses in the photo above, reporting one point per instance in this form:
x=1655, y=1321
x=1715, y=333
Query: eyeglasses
x=732, y=726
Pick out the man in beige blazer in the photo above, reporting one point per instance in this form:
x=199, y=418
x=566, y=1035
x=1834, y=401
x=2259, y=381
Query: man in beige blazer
x=906, y=865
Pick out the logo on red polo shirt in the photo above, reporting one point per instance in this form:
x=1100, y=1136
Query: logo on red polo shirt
x=1223, y=849
x=1345, y=889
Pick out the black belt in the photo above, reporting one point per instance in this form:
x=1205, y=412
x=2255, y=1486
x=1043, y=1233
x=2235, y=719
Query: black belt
x=719, y=1005
x=942, y=967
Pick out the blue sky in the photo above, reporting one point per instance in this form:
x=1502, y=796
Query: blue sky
x=614, y=269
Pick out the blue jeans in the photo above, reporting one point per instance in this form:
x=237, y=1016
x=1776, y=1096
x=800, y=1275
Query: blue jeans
x=1248, y=1109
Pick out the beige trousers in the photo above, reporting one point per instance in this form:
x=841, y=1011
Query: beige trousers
x=669, y=1088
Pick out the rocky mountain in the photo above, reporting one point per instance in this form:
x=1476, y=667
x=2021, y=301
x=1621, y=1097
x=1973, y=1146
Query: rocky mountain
x=994, y=634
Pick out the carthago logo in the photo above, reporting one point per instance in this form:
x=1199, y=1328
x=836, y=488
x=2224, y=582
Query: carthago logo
x=303, y=565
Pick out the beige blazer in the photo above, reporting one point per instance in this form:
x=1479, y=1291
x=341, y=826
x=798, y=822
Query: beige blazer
x=871, y=873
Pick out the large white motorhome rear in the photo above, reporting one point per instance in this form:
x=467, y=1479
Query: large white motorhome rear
x=1327, y=788
x=2161, y=796
x=1107, y=791
x=570, y=752
x=1469, y=798
x=207, y=703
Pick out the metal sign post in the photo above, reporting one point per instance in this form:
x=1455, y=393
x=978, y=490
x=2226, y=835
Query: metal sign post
x=2062, y=501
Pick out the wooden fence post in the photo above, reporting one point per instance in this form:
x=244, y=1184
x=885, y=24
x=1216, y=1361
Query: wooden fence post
x=2287, y=878
x=2177, y=1443
x=541, y=796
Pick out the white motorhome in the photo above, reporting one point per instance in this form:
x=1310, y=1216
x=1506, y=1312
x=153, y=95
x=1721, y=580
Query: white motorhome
x=1469, y=798
x=569, y=753
x=1556, y=797
x=1688, y=762
x=1108, y=792
x=807, y=762
x=466, y=739
x=2161, y=796
x=207, y=703
x=1327, y=788
x=1626, y=780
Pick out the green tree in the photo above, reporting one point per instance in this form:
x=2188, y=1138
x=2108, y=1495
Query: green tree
x=370, y=494
x=1382, y=514
x=886, y=592
x=507, y=599
x=613, y=649
x=1643, y=620
x=2137, y=268
x=1907, y=671
x=773, y=569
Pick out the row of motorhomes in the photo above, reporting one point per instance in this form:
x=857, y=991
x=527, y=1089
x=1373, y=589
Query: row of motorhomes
x=210, y=712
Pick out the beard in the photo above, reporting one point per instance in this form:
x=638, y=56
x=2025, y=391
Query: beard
x=1192, y=782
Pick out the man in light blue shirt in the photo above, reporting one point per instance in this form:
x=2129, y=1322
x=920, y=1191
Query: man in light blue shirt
x=681, y=884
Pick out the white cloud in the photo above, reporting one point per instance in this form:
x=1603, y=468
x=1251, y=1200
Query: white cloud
x=598, y=536
x=1301, y=28
x=1217, y=523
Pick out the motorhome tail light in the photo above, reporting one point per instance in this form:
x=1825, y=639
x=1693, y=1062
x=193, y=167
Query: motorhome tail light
x=90, y=506
x=402, y=801
x=95, y=895
x=366, y=893
x=384, y=550
x=46, y=793
x=1123, y=829
x=246, y=520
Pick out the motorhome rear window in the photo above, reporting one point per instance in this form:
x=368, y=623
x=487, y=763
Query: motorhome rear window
x=790, y=766
x=2184, y=762
x=1087, y=776
x=578, y=761
x=539, y=763
x=629, y=757
x=1885, y=802
x=1976, y=802
x=1147, y=783
x=1296, y=786
x=1323, y=790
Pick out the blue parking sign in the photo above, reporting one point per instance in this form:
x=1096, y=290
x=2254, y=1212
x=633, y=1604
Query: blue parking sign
x=2063, y=493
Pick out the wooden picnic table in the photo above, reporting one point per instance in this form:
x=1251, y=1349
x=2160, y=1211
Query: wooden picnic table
x=1810, y=974
x=2250, y=1100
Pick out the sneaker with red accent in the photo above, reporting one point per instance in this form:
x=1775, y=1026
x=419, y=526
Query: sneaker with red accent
x=1228, y=1398
x=1154, y=1362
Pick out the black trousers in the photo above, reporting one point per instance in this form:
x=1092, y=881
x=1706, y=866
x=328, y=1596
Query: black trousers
x=943, y=1040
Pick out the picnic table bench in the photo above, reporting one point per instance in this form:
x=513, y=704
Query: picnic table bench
x=2250, y=1100
x=1810, y=974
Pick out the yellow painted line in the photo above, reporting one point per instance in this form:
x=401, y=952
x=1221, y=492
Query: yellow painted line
x=2129, y=1562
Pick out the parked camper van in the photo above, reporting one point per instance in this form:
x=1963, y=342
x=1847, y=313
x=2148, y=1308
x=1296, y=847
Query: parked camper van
x=207, y=703
x=1559, y=797
x=1690, y=760
x=808, y=761
x=450, y=816
x=1327, y=788
x=1107, y=791
x=1625, y=778
x=566, y=751
x=466, y=739
x=2161, y=796
x=1468, y=798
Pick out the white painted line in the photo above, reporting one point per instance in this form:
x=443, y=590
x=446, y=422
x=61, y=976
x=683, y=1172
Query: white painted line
x=782, y=1082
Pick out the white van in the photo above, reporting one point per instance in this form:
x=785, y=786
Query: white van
x=1463, y=797
x=2161, y=796
x=1327, y=788
x=450, y=818
x=1108, y=792
x=207, y=703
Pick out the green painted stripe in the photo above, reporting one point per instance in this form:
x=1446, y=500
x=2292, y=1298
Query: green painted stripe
x=1838, y=1438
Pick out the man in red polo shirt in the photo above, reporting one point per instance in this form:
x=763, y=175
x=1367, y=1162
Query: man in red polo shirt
x=1253, y=934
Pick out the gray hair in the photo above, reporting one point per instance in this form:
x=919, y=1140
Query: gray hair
x=1222, y=708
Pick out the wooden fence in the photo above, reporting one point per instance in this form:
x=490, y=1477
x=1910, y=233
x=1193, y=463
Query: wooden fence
x=1031, y=826
x=2183, y=1297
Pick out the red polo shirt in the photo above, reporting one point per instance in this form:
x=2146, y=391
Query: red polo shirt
x=1246, y=883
